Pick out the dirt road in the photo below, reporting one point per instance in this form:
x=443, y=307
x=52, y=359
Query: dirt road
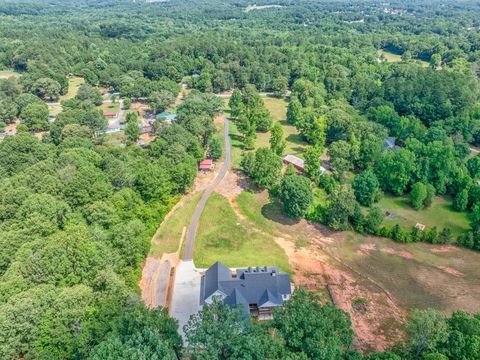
x=192, y=229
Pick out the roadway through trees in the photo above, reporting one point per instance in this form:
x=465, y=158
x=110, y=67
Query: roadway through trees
x=192, y=229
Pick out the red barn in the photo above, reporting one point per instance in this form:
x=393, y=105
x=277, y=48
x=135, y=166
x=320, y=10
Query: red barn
x=206, y=165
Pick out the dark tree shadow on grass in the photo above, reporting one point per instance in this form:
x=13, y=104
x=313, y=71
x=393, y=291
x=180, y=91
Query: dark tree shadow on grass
x=273, y=211
x=296, y=139
x=298, y=149
x=236, y=137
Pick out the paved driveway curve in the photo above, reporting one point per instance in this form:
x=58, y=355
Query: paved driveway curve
x=192, y=229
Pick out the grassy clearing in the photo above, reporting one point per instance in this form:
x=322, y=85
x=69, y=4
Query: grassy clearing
x=110, y=107
x=440, y=214
x=416, y=275
x=413, y=274
x=236, y=145
x=54, y=109
x=222, y=236
x=266, y=213
x=391, y=57
x=167, y=238
x=278, y=109
x=116, y=139
x=73, y=85
x=5, y=74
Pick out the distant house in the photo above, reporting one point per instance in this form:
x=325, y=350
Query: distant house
x=420, y=226
x=110, y=113
x=298, y=163
x=258, y=290
x=166, y=116
x=227, y=92
x=389, y=143
x=146, y=129
x=206, y=165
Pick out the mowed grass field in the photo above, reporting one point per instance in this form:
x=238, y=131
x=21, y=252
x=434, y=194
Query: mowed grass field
x=278, y=110
x=222, y=236
x=440, y=214
x=73, y=85
x=110, y=106
x=416, y=275
x=168, y=236
x=391, y=57
x=236, y=144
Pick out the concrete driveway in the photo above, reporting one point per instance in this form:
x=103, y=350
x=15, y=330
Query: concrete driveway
x=186, y=293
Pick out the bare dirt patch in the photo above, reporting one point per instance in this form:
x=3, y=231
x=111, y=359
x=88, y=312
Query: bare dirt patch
x=232, y=184
x=404, y=254
x=368, y=247
x=313, y=268
x=205, y=178
x=451, y=271
x=11, y=129
x=444, y=249
x=141, y=109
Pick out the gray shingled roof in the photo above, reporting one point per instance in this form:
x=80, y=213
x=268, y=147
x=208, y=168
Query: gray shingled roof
x=215, y=274
x=263, y=286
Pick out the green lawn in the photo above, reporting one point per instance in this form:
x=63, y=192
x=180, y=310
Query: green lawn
x=222, y=236
x=110, y=106
x=412, y=273
x=440, y=214
x=236, y=144
x=116, y=139
x=278, y=109
x=54, y=109
x=168, y=236
x=266, y=213
x=73, y=85
x=391, y=57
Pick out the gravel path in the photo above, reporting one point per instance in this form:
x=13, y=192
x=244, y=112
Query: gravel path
x=192, y=229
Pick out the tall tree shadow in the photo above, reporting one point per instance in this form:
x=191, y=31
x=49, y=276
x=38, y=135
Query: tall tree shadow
x=273, y=211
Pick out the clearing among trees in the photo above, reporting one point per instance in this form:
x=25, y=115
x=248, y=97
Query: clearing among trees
x=392, y=278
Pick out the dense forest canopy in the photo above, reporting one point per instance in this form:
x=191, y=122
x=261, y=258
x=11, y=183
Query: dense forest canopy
x=77, y=214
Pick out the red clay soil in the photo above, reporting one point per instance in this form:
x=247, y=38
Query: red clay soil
x=376, y=328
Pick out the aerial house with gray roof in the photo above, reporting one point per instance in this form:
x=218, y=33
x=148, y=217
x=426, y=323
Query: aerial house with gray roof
x=258, y=290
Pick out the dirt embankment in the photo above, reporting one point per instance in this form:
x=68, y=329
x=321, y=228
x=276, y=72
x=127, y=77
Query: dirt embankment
x=377, y=327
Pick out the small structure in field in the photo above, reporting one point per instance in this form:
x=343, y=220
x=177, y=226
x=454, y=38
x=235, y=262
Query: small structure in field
x=390, y=143
x=206, y=165
x=166, y=116
x=146, y=129
x=227, y=92
x=110, y=113
x=258, y=290
x=420, y=227
x=299, y=164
